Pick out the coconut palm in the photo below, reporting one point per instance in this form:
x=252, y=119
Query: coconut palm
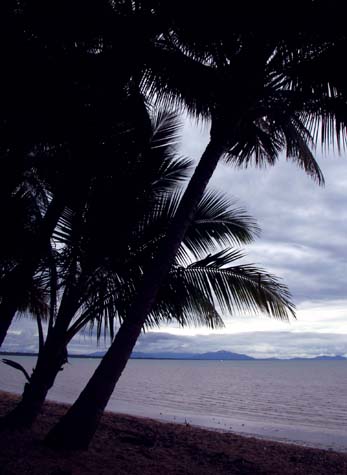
x=243, y=57
x=101, y=264
x=260, y=104
x=190, y=296
x=22, y=216
x=71, y=100
x=68, y=171
x=90, y=238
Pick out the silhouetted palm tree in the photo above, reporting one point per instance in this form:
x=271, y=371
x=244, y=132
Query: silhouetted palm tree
x=22, y=216
x=64, y=109
x=260, y=104
x=102, y=264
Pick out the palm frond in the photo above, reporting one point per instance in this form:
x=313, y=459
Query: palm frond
x=172, y=80
x=166, y=129
x=173, y=170
x=18, y=366
x=297, y=139
x=35, y=301
x=185, y=304
x=240, y=289
x=218, y=223
x=62, y=232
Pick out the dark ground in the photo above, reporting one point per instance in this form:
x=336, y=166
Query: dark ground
x=135, y=446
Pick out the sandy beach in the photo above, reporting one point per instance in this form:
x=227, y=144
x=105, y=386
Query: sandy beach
x=130, y=445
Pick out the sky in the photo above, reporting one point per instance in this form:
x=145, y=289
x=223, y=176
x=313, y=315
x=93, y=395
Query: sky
x=303, y=241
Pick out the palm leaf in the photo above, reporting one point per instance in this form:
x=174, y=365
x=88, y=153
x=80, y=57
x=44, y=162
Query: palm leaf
x=217, y=223
x=241, y=289
x=19, y=367
x=166, y=129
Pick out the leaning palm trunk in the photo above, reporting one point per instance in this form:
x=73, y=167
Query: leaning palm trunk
x=49, y=364
x=51, y=359
x=77, y=427
x=16, y=284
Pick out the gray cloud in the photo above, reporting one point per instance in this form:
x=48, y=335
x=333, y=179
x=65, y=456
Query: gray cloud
x=291, y=342
x=265, y=344
x=304, y=226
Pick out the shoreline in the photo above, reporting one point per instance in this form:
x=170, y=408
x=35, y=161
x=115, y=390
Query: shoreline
x=309, y=423
x=138, y=445
x=262, y=430
x=309, y=437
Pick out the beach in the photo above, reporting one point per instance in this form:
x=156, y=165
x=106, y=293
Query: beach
x=134, y=445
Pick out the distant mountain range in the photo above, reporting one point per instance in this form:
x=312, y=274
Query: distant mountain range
x=213, y=355
x=164, y=355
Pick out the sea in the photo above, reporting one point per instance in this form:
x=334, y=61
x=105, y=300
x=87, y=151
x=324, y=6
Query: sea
x=301, y=402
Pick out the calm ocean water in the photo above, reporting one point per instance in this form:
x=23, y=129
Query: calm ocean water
x=297, y=401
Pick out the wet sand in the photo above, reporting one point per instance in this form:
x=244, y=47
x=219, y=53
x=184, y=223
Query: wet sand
x=131, y=445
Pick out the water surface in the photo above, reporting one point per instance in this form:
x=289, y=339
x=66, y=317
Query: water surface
x=297, y=401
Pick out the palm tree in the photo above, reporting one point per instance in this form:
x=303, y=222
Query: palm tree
x=72, y=99
x=87, y=247
x=189, y=297
x=24, y=210
x=260, y=103
x=102, y=264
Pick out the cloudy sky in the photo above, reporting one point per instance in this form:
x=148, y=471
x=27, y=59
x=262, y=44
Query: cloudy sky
x=303, y=241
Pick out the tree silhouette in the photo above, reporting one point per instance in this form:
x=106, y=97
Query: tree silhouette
x=256, y=87
x=260, y=103
x=105, y=252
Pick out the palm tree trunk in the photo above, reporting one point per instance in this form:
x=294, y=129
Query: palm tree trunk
x=16, y=283
x=76, y=429
x=50, y=361
x=35, y=391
